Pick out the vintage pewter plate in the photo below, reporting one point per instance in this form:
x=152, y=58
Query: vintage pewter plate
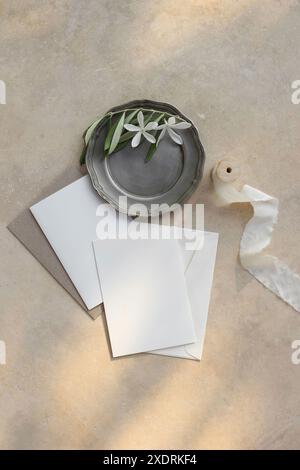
x=171, y=176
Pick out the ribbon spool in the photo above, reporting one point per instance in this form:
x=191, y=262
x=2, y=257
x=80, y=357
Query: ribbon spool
x=228, y=182
x=227, y=171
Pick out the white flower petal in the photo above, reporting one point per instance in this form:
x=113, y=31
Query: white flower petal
x=171, y=120
x=140, y=118
x=175, y=136
x=136, y=140
x=131, y=127
x=151, y=125
x=161, y=126
x=161, y=135
x=181, y=125
x=149, y=137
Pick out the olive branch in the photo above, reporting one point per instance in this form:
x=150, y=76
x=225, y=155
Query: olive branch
x=123, y=124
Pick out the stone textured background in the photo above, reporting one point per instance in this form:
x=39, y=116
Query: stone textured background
x=228, y=65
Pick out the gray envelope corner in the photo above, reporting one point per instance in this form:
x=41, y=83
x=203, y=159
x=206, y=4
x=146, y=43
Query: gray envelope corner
x=27, y=231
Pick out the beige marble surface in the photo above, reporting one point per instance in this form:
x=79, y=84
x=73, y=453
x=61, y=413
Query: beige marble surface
x=228, y=65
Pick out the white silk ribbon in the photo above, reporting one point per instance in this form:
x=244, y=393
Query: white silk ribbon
x=269, y=270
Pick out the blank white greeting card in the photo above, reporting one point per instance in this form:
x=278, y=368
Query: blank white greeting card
x=199, y=269
x=68, y=219
x=145, y=296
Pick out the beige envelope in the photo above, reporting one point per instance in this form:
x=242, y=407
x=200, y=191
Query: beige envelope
x=28, y=232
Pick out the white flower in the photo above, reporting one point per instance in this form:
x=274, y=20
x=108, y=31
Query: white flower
x=141, y=129
x=171, y=124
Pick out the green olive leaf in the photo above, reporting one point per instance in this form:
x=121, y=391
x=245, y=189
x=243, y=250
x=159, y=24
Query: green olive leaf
x=130, y=116
x=150, y=153
x=153, y=147
x=120, y=146
x=82, y=156
x=117, y=134
x=90, y=130
x=111, y=130
x=148, y=118
x=125, y=137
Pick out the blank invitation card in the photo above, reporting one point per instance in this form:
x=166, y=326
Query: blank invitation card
x=144, y=293
x=68, y=219
x=199, y=270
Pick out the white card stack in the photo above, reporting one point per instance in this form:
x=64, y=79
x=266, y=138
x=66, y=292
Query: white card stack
x=155, y=292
